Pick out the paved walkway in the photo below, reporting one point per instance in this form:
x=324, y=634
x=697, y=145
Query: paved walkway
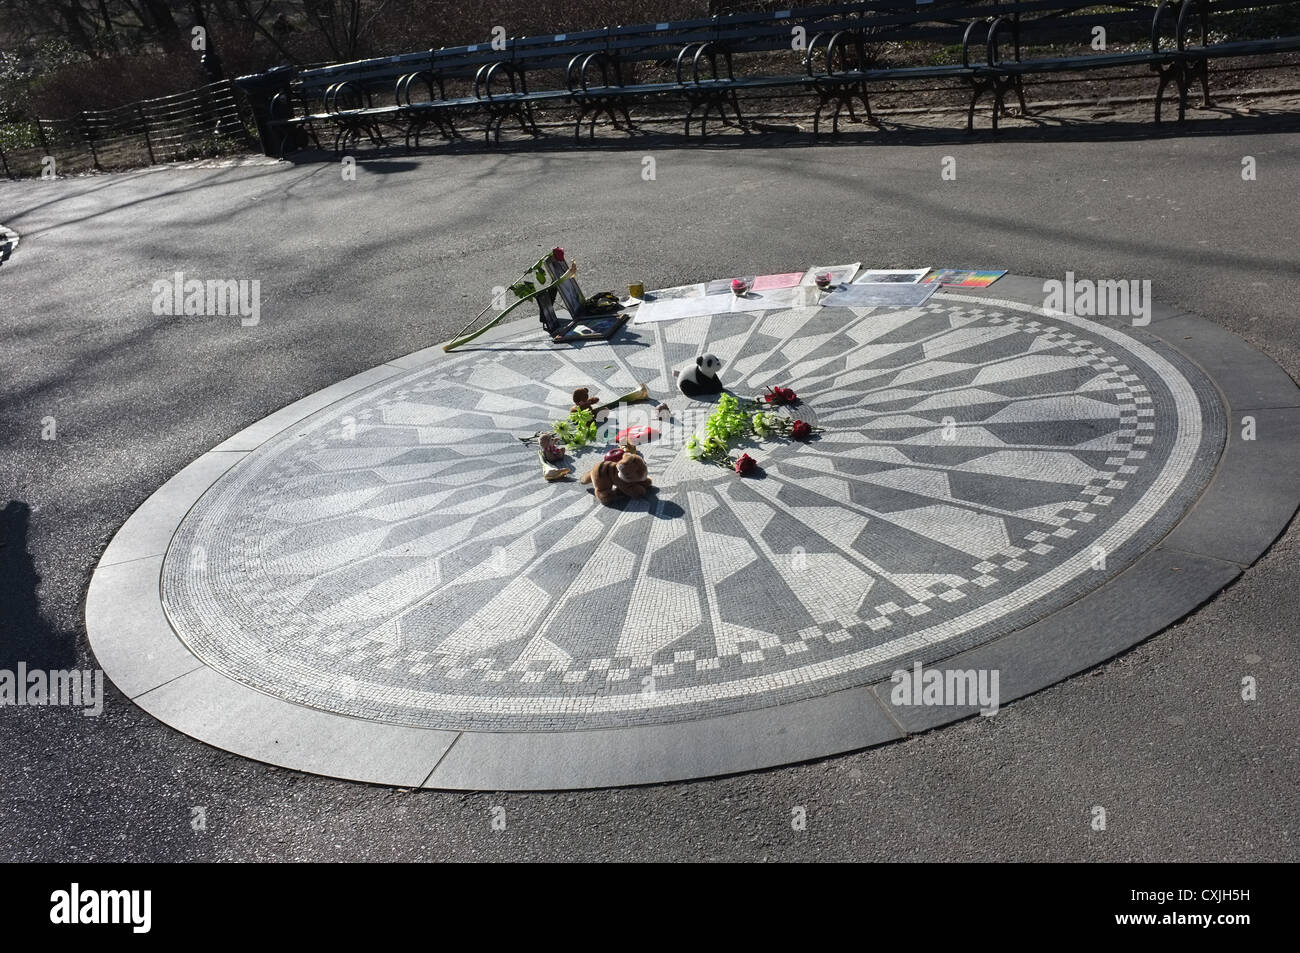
x=356, y=273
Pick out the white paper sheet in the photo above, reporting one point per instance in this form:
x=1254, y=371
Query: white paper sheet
x=887, y=295
x=673, y=309
x=680, y=291
x=840, y=274
x=798, y=296
x=905, y=276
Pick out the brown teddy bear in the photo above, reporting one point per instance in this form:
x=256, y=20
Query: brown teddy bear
x=581, y=401
x=627, y=475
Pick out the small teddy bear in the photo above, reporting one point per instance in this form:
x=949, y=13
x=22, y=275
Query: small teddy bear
x=552, y=450
x=702, y=378
x=552, y=455
x=581, y=401
x=629, y=476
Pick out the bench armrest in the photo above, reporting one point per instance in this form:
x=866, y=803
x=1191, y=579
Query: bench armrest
x=331, y=100
x=993, y=56
x=835, y=42
x=695, y=64
x=812, y=48
x=573, y=72
x=486, y=72
x=599, y=58
x=1180, y=26
x=969, y=35
x=681, y=57
x=402, y=93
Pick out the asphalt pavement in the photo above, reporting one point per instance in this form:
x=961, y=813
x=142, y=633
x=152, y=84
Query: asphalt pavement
x=355, y=272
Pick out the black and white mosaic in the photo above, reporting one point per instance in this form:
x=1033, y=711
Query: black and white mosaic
x=399, y=557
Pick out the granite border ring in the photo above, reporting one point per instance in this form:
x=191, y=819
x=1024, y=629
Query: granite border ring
x=1247, y=499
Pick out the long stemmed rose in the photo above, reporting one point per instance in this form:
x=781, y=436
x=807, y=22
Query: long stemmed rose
x=777, y=396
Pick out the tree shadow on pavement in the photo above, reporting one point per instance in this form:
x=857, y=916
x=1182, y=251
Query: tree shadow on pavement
x=24, y=634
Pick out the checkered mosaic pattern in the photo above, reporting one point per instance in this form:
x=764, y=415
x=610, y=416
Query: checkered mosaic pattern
x=399, y=557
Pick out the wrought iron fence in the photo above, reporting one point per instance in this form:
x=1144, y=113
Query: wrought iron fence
x=207, y=121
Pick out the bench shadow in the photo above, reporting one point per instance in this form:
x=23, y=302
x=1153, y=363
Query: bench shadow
x=1042, y=127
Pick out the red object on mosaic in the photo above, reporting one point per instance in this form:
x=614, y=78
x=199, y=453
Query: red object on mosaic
x=637, y=435
x=745, y=463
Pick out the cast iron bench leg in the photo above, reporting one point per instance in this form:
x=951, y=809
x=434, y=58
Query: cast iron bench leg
x=866, y=102
x=735, y=105
x=533, y=129
x=978, y=88
x=1020, y=94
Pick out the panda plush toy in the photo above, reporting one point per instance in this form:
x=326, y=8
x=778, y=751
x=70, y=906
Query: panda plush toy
x=701, y=378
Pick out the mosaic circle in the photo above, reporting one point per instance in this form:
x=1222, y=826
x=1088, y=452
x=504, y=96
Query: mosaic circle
x=398, y=555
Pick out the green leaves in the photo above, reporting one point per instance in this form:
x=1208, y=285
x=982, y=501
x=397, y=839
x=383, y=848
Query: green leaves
x=731, y=421
x=577, y=430
x=727, y=423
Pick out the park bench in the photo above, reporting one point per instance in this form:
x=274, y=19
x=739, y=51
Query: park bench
x=597, y=69
x=850, y=52
x=344, y=95
x=1191, y=62
x=702, y=64
x=704, y=54
x=1040, y=22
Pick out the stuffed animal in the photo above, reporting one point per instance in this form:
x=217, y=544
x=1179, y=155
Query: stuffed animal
x=552, y=450
x=581, y=401
x=702, y=378
x=628, y=476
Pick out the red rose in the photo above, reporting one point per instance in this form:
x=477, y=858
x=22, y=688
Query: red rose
x=557, y=254
x=800, y=430
x=780, y=395
x=745, y=463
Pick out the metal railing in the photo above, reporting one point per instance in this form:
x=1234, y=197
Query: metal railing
x=209, y=120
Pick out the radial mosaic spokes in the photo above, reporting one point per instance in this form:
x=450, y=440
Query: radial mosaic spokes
x=399, y=556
